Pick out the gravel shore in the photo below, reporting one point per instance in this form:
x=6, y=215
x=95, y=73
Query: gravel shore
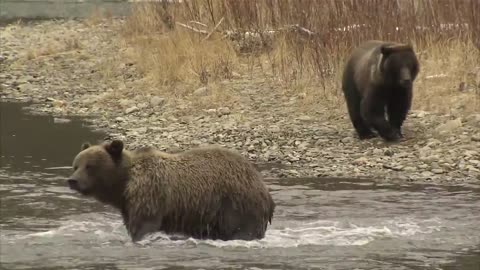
x=72, y=68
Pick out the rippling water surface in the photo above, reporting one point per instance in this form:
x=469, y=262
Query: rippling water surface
x=318, y=223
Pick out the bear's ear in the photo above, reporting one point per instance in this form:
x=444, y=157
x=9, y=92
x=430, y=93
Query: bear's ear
x=389, y=49
x=115, y=148
x=85, y=146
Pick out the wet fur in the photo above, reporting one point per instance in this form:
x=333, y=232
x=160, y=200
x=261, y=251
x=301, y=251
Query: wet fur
x=204, y=193
x=371, y=87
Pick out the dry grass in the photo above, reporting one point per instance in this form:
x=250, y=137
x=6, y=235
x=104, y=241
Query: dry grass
x=306, y=60
x=448, y=80
x=54, y=46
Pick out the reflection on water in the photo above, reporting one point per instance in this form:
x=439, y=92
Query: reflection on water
x=318, y=223
x=34, y=142
x=466, y=260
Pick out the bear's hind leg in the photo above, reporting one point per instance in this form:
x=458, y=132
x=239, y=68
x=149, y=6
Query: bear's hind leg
x=239, y=225
x=353, y=99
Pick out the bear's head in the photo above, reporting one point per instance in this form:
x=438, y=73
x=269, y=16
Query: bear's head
x=399, y=65
x=100, y=171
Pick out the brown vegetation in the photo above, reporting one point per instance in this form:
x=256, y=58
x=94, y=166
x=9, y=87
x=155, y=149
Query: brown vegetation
x=301, y=45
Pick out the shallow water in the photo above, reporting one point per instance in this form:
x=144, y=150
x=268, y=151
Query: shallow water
x=318, y=223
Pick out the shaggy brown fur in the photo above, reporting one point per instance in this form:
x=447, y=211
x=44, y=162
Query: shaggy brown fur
x=379, y=75
x=204, y=193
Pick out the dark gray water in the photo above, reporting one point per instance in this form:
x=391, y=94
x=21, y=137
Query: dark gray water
x=318, y=224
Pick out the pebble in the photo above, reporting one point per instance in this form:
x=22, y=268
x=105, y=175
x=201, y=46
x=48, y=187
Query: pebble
x=202, y=91
x=449, y=126
x=389, y=152
x=157, y=101
x=422, y=166
x=131, y=110
x=61, y=120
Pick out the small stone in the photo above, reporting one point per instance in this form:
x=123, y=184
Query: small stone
x=196, y=142
x=473, y=119
x=437, y=171
x=125, y=102
x=293, y=172
x=25, y=79
x=131, y=110
x=433, y=142
x=393, y=167
x=377, y=151
x=211, y=111
x=470, y=153
x=422, y=166
x=157, y=101
x=120, y=119
x=223, y=111
x=424, y=151
x=202, y=91
x=427, y=174
x=58, y=103
x=140, y=130
x=471, y=168
x=142, y=105
x=420, y=114
x=475, y=162
x=347, y=140
x=25, y=87
x=303, y=145
x=174, y=149
x=476, y=138
x=429, y=158
x=360, y=161
x=449, y=126
x=321, y=142
x=409, y=169
x=305, y=118
x=388, y=152
x=61, y=120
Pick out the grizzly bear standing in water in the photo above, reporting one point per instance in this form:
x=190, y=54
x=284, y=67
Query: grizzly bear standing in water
x=379, y=75
x=203, y=193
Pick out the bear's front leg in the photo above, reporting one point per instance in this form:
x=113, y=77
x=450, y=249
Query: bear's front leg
x=397, y=109
x=138, y=228
x=374, y=115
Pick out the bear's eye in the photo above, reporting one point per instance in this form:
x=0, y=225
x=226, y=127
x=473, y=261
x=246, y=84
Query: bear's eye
x=75, y=168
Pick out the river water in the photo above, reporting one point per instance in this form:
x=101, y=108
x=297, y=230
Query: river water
x=318, y=223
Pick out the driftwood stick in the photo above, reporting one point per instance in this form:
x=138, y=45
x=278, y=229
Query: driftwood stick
x=213, y=30
x=298, y=28
x=293, y=27
x=193, y=28
x=199, y=23
x=303, y=30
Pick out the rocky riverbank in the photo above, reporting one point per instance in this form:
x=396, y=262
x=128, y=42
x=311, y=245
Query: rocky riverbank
x=76, y=68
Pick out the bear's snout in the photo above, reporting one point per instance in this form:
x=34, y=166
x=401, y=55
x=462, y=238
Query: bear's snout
x=405, y=78
x=72, y=183
x=407, y=84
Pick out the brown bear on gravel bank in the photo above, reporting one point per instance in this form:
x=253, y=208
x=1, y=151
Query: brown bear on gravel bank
x=205, y=193
x=379, y=75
